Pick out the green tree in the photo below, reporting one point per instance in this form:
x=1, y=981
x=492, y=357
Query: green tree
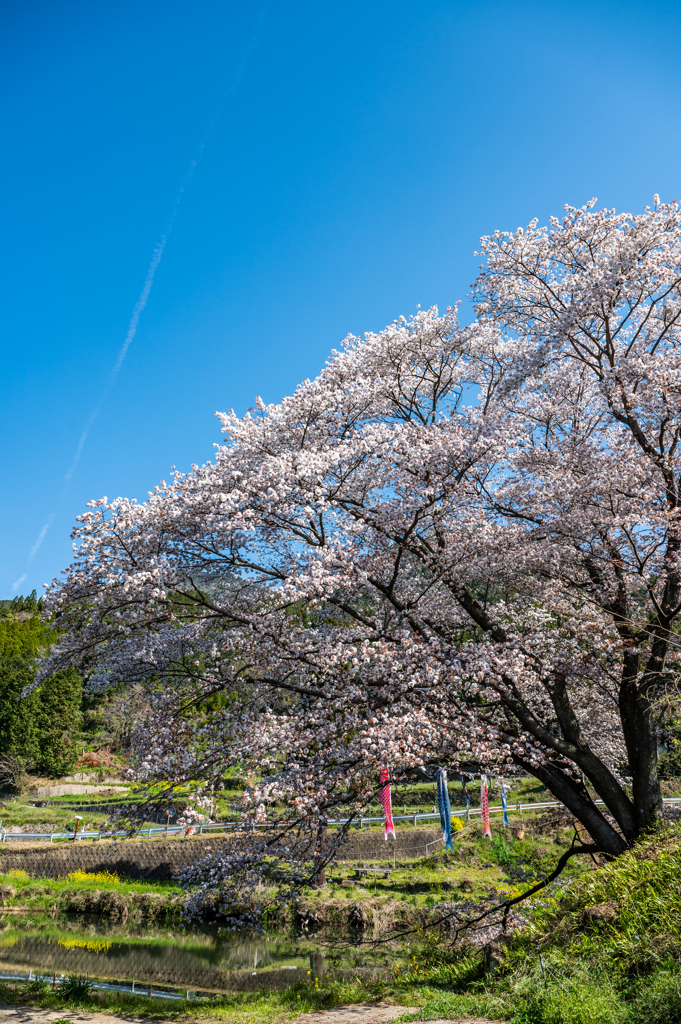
x=58, y=722
x=41, y=729
x=18, y=719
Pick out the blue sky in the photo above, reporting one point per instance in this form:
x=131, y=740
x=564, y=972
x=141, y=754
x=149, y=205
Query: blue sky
x=334, y=164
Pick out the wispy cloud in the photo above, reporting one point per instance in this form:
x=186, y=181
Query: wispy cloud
x=141, y=303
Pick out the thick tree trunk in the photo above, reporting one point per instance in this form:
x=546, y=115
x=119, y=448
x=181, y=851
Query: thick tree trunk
x=640, y=737
x=645, y=780
x=572, y=747
x=599, y=775
x=577, y=800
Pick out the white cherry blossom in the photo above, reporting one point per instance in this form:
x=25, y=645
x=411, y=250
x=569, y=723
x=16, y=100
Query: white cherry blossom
x=454, y=546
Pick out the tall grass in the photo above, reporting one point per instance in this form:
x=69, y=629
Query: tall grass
x=604, y=949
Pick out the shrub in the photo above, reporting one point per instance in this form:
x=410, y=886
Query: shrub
x=669, y=764
x=74, y=987
x=37, y=987
x=502, y=852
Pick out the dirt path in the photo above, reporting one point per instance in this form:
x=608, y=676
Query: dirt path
x=373, y=1013
x=34, y=1015
x=359, y=1013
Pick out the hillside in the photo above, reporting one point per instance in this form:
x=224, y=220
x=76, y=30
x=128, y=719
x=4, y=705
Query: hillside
x=601, y=948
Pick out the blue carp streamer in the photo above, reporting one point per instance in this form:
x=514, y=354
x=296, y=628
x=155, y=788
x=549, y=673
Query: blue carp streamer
x=444, y=808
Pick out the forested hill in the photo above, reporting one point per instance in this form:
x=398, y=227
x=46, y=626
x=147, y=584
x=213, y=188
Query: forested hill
x=23, y=638
x=21, y=605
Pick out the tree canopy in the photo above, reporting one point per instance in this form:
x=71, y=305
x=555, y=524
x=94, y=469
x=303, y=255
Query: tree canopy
x=456, y=545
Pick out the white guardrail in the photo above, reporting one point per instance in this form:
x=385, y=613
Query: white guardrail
x=145, y=989
x=226, y=826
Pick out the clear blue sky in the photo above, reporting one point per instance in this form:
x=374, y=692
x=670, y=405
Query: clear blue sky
x=349, y=155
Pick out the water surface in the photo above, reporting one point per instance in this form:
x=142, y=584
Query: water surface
x=206, y=959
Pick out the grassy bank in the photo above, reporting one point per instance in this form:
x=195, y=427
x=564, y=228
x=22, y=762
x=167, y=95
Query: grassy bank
x=81, y=892
x=602, y=948
x=605, y=949
x=255, y=1007
x=258, y=1007
x=377, y=895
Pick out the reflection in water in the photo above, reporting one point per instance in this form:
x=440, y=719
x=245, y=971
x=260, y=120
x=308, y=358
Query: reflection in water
x=207, y=960
x=94, y=945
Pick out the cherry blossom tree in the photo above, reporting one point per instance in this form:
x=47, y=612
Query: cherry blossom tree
x=457, y=545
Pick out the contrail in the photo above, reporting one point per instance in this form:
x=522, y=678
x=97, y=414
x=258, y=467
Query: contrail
x=129, y=337
x=144, y=295
x=130, y=334
x=41, y=538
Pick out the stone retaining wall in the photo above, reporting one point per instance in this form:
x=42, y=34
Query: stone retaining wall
x=155, y=860
x=163, y=859
x=76, y=789
x=408, y=843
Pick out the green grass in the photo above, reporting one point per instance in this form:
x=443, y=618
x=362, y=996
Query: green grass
x=257, y=1007
x=89, y=895
x=30, y=887
x=60, y=815
x=474, y=868
x=606, y=949
x=623, y=918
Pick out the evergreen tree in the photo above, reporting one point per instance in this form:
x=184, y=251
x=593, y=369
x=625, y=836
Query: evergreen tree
x=41, y=729
x=58, y=720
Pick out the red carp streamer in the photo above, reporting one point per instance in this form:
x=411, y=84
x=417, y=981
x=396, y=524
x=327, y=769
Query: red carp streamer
x=386, y=803
x=484, y=803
